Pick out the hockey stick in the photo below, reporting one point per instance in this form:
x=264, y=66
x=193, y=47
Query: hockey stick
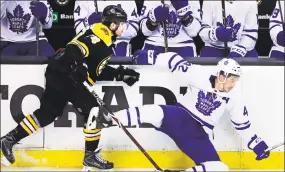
x=274, y=147
x=37, y=34
x=281, y=15
x=96, y=6
x=164, y=31
x=225, y=25
x=102, y=104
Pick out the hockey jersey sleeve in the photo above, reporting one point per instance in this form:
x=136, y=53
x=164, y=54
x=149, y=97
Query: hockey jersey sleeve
x=175, y=64
x=207, y=21
x=239, y=117
x=48, y=19
x=3, y=9
x=275, y=22
x=82, y=10
x=250, y=31
x=193, y=29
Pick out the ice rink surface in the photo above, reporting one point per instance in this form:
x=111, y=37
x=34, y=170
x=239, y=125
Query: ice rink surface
x=77, y=169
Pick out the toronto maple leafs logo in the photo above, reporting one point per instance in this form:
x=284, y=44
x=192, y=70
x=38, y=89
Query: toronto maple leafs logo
x=18, y=21
x=234, y=27
x=173, y=25
x=207, y=103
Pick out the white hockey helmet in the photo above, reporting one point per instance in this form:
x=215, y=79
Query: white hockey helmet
x=228, y=66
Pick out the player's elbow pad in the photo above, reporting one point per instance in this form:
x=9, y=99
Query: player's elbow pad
x=146, y=27
x=193, y=28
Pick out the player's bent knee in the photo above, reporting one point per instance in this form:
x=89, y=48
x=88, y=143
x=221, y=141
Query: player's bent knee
x=44, y=118
x=151, y=114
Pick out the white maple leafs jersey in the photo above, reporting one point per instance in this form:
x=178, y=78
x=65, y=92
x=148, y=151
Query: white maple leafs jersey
x=18, y=24
x=201, y=100
x=241, y=16
x=178, y=35
x=275, y=25
x=83, y=9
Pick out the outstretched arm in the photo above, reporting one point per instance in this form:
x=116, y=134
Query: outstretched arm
x=170, y=61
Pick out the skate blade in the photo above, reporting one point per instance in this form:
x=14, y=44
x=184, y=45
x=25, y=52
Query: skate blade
x=5, y=162
x=85, y=168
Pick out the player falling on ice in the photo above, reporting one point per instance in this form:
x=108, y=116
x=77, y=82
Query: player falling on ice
x=207, y=98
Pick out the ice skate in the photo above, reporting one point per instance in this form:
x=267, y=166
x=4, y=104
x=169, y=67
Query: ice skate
x=94, y=160
x=7, y=143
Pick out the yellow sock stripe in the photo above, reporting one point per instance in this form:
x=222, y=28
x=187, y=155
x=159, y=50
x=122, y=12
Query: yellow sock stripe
x=26, y=128
x=92, y=138
x=31, y=120
x=91, y=131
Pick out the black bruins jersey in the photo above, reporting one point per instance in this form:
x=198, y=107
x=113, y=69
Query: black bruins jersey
x=96, y=46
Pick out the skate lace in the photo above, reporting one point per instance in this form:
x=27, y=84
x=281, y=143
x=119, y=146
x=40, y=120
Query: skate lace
x=99, y=158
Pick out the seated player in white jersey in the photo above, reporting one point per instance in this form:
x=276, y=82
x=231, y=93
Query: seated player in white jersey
x=19, y=28
x=85, y=15
x=240, y=33
x=208, y=97
x=182, y=20
x=277, y=32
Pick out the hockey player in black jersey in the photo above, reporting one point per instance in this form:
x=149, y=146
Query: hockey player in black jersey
x=85, y=58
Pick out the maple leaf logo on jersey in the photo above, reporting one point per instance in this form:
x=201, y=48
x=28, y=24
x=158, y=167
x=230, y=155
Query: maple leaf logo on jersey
x=173, y=25
x=207, y=103
x=18, y=21
x=234, y=27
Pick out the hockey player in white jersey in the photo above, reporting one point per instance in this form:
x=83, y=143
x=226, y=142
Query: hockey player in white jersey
x=277, y=32
x=85, y=15
x=182, y=24
x=208, y=97
x=240, y=32
x=18, y=28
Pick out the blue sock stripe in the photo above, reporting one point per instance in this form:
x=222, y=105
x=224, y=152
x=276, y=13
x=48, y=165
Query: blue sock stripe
x=138, y=115
x=194, y=169
x=129, y=117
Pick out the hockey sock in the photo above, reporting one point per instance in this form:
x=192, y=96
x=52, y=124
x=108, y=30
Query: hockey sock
x=92, y=138
x=27, y=126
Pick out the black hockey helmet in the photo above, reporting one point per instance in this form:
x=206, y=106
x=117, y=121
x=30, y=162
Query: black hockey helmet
x=113, y=14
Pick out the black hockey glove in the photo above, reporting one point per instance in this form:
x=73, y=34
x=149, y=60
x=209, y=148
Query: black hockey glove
x=128, y=76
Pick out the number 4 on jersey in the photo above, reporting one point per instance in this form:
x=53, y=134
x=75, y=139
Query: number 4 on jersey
x=245, y=113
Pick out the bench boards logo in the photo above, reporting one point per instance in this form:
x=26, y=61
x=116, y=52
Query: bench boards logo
x=110, y=94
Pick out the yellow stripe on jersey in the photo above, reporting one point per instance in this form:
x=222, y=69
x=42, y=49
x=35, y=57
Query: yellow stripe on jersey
x=26, y=128
x=84, y=49
x=90, y=80
x=103, y=32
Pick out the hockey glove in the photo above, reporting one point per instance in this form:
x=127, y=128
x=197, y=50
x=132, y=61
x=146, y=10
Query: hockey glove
x=128, y=76
x=158, y=14
x=258, y=146
x=94, y=18
x=280, y=39
x=220, y=34
x=144, y=57
x=39, y=10
x=182, y=8
x=237, y=51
